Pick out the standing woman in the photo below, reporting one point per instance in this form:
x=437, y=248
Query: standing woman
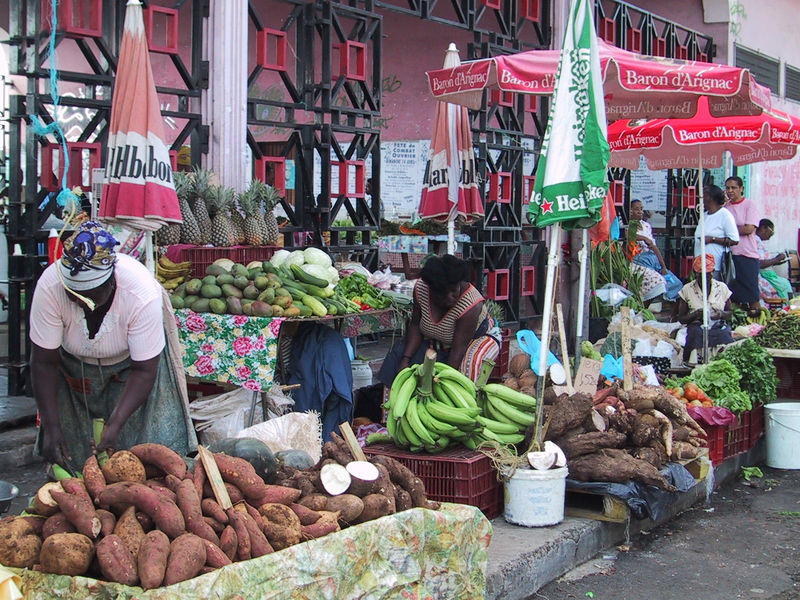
x=97, y=325
x=745, y=254
x=720, y=227
x=450, y=315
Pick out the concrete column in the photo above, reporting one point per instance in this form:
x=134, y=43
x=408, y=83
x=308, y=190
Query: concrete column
x=225, y=101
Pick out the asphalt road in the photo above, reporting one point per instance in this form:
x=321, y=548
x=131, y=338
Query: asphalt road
x=743, y=544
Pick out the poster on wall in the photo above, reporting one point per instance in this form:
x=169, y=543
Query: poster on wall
x=402, y=171
x=650, y=187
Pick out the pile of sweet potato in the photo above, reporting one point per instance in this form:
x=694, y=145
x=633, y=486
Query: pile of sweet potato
x=146, y=519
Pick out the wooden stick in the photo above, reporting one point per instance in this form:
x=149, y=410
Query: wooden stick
x=627, y=363
x=214, y=477
x=290, y=386
x=352, y=442
x=562, y=337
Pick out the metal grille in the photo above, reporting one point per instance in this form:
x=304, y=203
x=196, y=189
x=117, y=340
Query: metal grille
x=792, y=83
x=765, y=68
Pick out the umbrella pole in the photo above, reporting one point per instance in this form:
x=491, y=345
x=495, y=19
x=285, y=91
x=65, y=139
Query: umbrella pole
x=547, y=316
x=582, y=260
x=149, y=253
x=451, y=237
x=704, y=286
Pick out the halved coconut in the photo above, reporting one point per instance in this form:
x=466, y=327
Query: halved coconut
x=335, y=479
x=225, y=263
x=541, y=461
x=557, y=374
x=254, y=264
x=561, y=458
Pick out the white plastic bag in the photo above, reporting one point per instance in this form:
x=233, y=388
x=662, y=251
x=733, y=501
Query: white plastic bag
x=224, y=415
x=293, y=431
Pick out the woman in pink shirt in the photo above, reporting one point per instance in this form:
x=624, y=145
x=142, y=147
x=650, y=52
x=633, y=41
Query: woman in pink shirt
x=99, y=351
x=747, y=215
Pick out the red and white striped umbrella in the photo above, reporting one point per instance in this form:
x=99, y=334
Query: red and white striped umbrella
x=139, y=192
x=450, y=189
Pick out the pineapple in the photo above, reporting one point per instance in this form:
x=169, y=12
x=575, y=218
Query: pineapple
x=201, y=188
x=270, y=198
x=189, y=229
x=253, y=225
x=219, y=202
x=238, y=224
x=169, y=234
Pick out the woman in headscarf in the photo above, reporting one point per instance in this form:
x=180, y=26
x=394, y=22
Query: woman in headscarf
x=690, y=308
x=97, y=324
x=450, y=315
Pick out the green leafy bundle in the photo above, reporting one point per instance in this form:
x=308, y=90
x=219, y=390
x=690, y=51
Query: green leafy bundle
x=720, y=380
x=755, y=365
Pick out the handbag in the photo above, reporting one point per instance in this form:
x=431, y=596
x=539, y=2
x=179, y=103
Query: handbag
x=727, y=270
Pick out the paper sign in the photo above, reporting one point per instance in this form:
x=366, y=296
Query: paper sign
x=587, y=376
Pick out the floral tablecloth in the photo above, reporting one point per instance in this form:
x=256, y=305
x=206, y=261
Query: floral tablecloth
x=416, y=554
x=243, y=351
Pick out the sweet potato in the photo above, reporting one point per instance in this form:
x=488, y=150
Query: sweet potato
x=349, y=505
x=80, y=512
x=123, y=466
x=211, y=509
x=36, y=523
x=228, y=542
x=215, y=557
x=130, y=531
x=187, y=555
x=189, y=504
x=93, y=477
x=165, y=514
x=162, y=457
x=375, y=506
x=152, y=562
x=57, y=523
x=242, y=535
x=107, y=522
x=314, y=501
x=161, y=489
x=233, y=492
x=259, y=546
x=43, y=502
x=306, y=515
x=199, y=478
x=19, y=545
x=66, y=554
x=172, y=483
x=277, y=494
x=215, y=525
x=242, y=474
x=73, y=485
x=145, y=521
x=116, y=562
x=318, y=529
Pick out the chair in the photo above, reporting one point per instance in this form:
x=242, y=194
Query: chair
x=794, y=270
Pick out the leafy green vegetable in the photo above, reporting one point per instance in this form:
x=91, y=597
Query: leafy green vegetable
x=356, y=286
x=719, y=379
x=755, y=365
x=749, y=472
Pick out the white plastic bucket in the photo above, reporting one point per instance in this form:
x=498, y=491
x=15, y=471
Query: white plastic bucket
x=783, y=435
x=362, y=374
x=535, y=498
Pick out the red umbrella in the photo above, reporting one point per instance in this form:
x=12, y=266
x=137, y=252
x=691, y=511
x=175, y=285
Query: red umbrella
x=675, y=143
x=139, y=192
x=450, y=187
x=629, y=79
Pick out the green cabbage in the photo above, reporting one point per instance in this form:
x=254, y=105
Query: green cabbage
x=295, y=258
x=315, y=256
x=279, y=258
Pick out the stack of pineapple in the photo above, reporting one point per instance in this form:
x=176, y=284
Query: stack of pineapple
x=212, y=214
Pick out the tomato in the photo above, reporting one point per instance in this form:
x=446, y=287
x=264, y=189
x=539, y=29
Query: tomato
x=707, y=404
x=690, y=393
x=679, y=392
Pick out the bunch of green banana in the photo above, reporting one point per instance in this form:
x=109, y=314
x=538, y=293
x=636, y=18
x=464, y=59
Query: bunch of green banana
x=762, y=318
x=506, y=413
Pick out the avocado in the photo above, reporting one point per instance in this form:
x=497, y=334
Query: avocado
x=211, y=291
x=193, y=286
x=229, y=291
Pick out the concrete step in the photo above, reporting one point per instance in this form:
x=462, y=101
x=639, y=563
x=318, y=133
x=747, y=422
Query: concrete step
x=16, y=410
x=16, y=448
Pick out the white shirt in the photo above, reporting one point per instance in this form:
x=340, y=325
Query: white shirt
x=721, y=224
x=132, y=326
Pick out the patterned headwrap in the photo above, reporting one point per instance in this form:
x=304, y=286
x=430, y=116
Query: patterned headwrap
x=703, y=266
x=89, y=258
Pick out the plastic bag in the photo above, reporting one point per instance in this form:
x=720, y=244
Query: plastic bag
x=529, y=343
x=293, y=431
x=612, y=294
x=612, y=367
x=224, y=415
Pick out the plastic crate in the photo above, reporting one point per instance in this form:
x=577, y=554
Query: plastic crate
x=501, y=363
x=725, y=441
x=202, y=256
x=756, y=424
x=455, y=475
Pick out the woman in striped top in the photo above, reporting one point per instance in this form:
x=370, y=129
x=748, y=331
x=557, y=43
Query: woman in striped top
x=449, y=315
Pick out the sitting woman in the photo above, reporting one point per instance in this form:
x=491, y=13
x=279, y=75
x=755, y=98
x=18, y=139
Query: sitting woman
x=770, y=284
x=649, y=255
x=690, y=308
x=449, y=315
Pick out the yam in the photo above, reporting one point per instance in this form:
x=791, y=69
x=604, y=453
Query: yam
x=165, y=514
x=331, y=450
x=130, y=531
x=519, y=364
x=364, y=477
x=80, y=512
x=66, y=554
x=123, y=466
x=93, y=477
x=116, y=562
x=648, y=455
x=302, y=481
x=587, y=443
x=333, y=479
x=280, y=514
x=36, y=522
x=19, y=545
x=189, y=504
x=306, y=515
x=403, y=476
x=107, y=522
x=511, y=382
x=162, y=457
x=616, y=465
x=315, y=501
x=57, y=523
x=228, y=542
x=527, y=379
x=43, y=502
x=342, y=444
x=566, y=413
x=162, y=489
x=153, y=556
x=683, y=450
x=215, y=525
x=187, y=555
x=211, y=509
x=349, y=506
x=280, y=536
x=75, y=486
x=242, y=474
x=215, y=557
x=375, y=506
x=402, y=499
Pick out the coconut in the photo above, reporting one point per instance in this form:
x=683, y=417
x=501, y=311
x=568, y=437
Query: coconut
x=519, y=363
x=561, y=458
x=542, y=461
x=527, y=379
x=511, y=382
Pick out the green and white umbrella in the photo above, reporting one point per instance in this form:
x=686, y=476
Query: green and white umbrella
x=571, y=179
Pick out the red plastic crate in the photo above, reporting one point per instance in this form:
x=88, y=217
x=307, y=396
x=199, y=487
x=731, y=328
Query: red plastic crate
x=501, y=363
x=455, y=475
x=725, y=441
x=202, y=256
x=756, y=424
